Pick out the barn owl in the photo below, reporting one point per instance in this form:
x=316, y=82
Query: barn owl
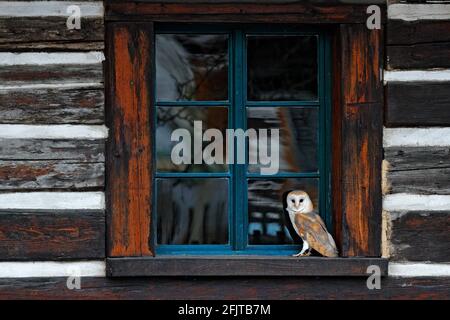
x=309, y=226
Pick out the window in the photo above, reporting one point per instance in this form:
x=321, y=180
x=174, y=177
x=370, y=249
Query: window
x=225, y=75
x=239, y=78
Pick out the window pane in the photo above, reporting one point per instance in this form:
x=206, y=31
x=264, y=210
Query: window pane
x=172, y=118
x=282, y=68
x=268, y=219
x=192, y=211
x=191, y=67
x=298, y=136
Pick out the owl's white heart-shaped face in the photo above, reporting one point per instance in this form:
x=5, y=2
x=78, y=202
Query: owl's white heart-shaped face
x=299, y=201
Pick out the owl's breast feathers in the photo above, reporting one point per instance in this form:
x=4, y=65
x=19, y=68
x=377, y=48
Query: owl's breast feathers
x=311, y=228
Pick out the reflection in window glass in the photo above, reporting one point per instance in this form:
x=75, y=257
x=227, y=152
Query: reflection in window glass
x=281, y=68
x=191, y=67
x=172, y=118
x=298, y=135
x=192, y=211
x=267, y=215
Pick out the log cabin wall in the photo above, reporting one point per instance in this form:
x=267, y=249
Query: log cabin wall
x=417, y=135
x=52, y=159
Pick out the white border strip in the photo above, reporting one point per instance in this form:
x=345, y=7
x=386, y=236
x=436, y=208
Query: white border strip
x=413, y=12
x=52, y=201
x=416, y=137
x=52, y=269
x=441, y=75
x=416, y=202
x=62, y=86
x=60, y=131
x=49, y=8
x=419, y=269
x=55, y=58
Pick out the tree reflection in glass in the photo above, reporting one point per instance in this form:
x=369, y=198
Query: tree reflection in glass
x=192, y=67
x=298, y=135
x=192, y=211
x=172, y=118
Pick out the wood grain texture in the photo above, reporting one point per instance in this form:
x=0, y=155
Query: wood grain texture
x=417, y=158
x=232, y=11
x=45, y=175
x=421, y=181
x=360, y=141
x=129, y=163
x=401, y=32
x=424, y=170
x=417, y=104
x=50, y=74
x=52, y=235
x=336, y=140
x=418, y=56
x=242, y=266
x=418, y=44
x=285, y=288
x=41, y=149
x=420, y=236
x=50, y=33
x=52, y=106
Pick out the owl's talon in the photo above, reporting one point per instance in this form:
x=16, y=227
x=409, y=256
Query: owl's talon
x=301, y=255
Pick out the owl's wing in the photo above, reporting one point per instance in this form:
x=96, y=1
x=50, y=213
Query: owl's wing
x=315, y=233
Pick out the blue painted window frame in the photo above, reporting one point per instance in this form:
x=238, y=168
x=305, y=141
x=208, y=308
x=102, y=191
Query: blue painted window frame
x=237, y=118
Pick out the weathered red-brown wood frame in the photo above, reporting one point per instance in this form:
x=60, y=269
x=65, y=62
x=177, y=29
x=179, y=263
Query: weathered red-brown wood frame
x=357, y=132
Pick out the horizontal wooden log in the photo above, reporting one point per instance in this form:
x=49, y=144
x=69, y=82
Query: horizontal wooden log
x=423, y=170
x=401, y=32
x=44, y=175
x=52, y=235
x=37, y=149
x=231, y=11
x=417, y=104
x=21, y=75
x=418, y=44
x=228, y=289
x=422, y=181
x=48, y=106
x=417, y=158
x=418, y=56
x=39, y=33
x=242, y=266
x=420, y=236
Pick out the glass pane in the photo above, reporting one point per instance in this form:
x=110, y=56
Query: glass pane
x=191, y=67
x=192, y=211
x=172, y=118
x=282, y=68
x=298, y=136
x=268, y=219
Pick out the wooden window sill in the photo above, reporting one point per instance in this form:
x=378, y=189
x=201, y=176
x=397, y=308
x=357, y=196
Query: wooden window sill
x=241, y=266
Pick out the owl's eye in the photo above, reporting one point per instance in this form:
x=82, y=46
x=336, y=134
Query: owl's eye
x=301, y=200
x=293, y=201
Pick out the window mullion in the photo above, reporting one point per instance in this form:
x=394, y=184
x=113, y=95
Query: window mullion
x=240, y=182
